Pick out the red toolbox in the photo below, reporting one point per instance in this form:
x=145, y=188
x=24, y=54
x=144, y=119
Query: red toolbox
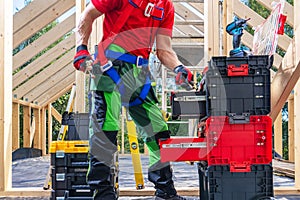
x=183, y=149
x=239, y=145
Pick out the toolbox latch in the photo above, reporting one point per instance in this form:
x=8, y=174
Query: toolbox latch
x=239, y=119
x=242, y=70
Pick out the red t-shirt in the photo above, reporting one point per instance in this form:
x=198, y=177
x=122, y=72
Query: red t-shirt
x=135, y=36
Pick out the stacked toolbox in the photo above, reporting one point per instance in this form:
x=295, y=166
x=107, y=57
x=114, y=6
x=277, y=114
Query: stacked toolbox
x=238, y=130
x=234, y=144
x=69, y=161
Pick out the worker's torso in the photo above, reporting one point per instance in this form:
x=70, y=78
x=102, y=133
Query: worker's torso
x=135, y=36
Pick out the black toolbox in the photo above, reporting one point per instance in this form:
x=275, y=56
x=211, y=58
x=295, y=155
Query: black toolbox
x=76, y=194
x=69, y=165
x=188, y=104
x=223, y=184
x=238, y=85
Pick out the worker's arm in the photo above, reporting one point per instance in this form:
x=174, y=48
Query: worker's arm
x=165, y=53
x=84, y=27
x=84, y=30
x=168, y=57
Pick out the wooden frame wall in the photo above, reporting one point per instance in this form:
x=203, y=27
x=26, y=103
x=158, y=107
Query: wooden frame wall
x=26, y=25
x=6, y=30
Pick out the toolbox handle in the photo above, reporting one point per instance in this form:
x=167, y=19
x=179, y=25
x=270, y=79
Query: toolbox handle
x=244, y=167
x=239, y=119
x=242, y=70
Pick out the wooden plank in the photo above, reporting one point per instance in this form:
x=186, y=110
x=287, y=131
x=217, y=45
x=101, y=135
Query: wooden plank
x=6, y=24
x=30, y=12
x=243, y=11
x=198, y=6
x=15, y=126
x=185, y=13
x=48, y=85
x=297, y=129
x=278, y=134
x=291, y=130
x=80, y=79
x=297, y=92
x=49, y=124
x=56, y=114
x=189, y=31
x=285, y=78
x=25, y=103
x=43, y=132
x=26, y=126
x=42, y=20
x=211, y=29
x=288, y=10
x=128, y=191
x=32, y=130
x=44, y=41
x=49, y=98
x=44, y=75
x=43, y=60
x=37, y=143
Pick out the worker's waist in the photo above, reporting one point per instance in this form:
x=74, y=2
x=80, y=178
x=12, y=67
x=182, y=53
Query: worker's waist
x=139, y=61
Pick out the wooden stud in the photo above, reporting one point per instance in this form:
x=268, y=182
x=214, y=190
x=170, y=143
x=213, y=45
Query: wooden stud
x=56, y=114
x=37, y=143
x=6, y=30
x=227, y=18
x=15, y=126
x=278, y=134
x=296, y=56
x=49, y=124
x=291, y=130
x=212, y=29
x=32, y=131
x=297, y=134
x=44, y=131
x=26, y=126
x=79, y=76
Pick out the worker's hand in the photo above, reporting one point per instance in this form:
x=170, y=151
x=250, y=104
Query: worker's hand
x=83, y=60
x=184, y=77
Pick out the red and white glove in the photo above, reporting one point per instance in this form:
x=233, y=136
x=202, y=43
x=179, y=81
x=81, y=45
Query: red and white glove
x=184, y=77
x=82, y=55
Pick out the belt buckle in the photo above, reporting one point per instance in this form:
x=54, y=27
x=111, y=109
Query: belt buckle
x=106, y=67
x=148, y=9
x=137, y=62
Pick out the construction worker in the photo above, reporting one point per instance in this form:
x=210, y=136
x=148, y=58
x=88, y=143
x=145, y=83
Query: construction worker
x=120, y=75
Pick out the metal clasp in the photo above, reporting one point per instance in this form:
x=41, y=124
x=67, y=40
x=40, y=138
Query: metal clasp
x=148, y=9
x=107, y=66
x=138, y=61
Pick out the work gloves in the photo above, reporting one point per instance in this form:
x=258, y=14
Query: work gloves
x=81, y=58
x=184, y=77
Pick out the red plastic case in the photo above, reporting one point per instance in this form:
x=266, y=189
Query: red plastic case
x=183, y=149
x=239, y=145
